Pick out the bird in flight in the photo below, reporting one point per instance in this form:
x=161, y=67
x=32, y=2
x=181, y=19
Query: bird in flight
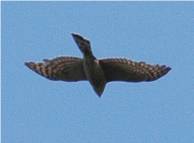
x=97, y=71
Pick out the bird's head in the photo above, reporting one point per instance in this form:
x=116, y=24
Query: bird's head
x=82, y=43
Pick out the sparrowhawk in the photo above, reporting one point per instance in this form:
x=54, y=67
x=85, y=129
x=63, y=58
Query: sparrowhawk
x=97, y=71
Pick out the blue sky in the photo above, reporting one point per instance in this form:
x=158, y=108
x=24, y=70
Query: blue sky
x=35, y=109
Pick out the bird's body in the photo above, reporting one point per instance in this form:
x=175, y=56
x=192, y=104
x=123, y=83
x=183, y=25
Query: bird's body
x=97, y=72
x=95, y=75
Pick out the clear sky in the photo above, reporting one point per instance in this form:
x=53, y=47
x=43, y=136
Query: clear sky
x=37, y=110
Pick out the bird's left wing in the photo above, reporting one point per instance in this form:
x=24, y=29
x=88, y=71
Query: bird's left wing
x=60, y=68
x=126, y=70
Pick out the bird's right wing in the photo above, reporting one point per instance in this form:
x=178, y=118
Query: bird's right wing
x=60, y=68
x=126, y=70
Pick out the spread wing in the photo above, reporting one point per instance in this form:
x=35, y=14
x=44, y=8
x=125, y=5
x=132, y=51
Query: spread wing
x=60, y=68
x=127, y=70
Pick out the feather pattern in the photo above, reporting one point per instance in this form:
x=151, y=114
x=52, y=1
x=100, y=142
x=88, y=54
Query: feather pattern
x=60, y=68
x=120, y=69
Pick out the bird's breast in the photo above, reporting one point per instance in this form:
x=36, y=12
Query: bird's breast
x=95, y=75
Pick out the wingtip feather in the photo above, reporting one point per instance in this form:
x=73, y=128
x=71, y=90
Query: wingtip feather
x=29, y=64
x=166, y=69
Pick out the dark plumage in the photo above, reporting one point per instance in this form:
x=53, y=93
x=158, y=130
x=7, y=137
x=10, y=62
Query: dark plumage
x=97, y=72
